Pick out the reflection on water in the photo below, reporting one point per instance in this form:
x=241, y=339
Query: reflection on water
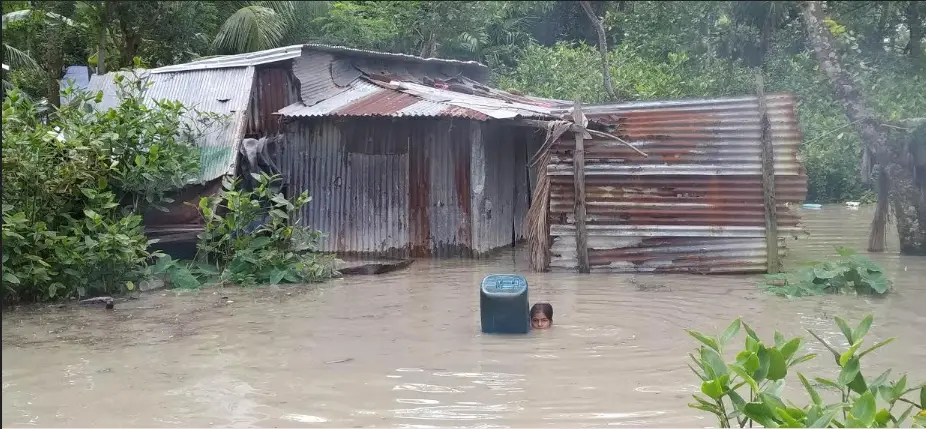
x=405, y=350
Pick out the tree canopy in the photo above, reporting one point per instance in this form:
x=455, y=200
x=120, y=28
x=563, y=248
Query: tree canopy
x=656, y=50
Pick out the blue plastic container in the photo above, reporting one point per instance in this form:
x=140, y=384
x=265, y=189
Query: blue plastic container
x=504, y=305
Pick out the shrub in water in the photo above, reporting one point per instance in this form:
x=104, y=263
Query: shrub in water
x=253, y=236
x=851, y=273
x=748, y=390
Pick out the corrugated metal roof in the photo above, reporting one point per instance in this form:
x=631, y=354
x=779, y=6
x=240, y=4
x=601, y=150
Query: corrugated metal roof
x=409, y=99
x=222, y=91
x=293, y=51
x=695, y=204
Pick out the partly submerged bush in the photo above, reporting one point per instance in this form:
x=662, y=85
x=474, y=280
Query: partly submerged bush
x=254, y=237
x=75, y=180
x=748, y=390
x=851, y=273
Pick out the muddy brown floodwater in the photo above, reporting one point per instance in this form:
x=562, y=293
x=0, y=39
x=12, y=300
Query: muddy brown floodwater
x=404, y=349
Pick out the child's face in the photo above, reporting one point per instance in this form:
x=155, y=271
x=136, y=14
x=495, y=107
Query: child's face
x=540, y=321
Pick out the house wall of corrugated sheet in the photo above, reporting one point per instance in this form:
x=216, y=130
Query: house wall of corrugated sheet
x=359, y=191
x=275, y=87
x=383, y=187
x=500, y=184
x=696, y=204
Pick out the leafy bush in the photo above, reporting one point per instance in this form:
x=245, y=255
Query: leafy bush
x=850, y=273
x=252, y=236
x=75, y=180
x=748, y=390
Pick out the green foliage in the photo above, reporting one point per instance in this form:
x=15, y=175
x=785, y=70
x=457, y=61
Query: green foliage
x=567, y=71
x=74, y=182
x=251, y=236
x=851, y=273
x=748, y=390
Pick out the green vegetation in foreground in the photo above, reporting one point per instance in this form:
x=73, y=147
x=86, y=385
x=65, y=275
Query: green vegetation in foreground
x=748, y=390
x=851, y=273
x=251, y=238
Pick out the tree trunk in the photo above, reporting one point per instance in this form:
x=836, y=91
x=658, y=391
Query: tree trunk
x=906, y=194
x=602, y=48
x=101, y=49
x=915, y=23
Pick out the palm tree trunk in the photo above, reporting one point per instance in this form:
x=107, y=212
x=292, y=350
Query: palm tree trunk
x=602, y=48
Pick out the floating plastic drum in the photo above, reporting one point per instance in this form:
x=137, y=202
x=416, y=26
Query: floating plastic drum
x=504, y=304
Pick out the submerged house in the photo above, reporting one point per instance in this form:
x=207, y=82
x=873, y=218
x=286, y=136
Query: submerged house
x=408, y=157
x=695, y=204
x=403, y=156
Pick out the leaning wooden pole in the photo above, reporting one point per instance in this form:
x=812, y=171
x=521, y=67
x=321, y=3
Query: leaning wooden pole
x=578, y=163
x=768, y=180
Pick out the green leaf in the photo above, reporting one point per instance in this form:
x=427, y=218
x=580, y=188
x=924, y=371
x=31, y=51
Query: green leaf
x=130, y=285
x=777, y=367
x=878, y=382
x=11, y=278
x=848, y=354
x=730, y=332
x=279, y=214
x=863, y=328
x=790, y=347
x=828, y=383
x=750, y=332
x=814, y=396
x=846, y=331
x=875, y=347
x=764, y=362
x=749, y=361
x=849, y=371
x=903, y=416
x=715, y=364
x=864, y=409
x=742, y=373
x=825, y=418
x=713, y=389
x=259, y=243
x=900, y=386
x=276, y=276
x=883, y=417
x=803, y=359
x=758, y=412
x=708, y=341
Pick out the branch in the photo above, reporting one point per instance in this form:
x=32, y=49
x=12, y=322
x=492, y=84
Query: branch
x=602, y=48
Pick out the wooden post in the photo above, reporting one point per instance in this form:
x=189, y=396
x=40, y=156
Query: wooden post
x=578, y=162
x=768, y=180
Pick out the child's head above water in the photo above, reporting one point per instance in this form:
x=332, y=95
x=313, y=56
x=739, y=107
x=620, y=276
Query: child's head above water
x=541, y=315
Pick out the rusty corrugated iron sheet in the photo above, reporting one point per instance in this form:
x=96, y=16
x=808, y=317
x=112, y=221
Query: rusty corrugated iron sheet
x=696, y=204
x=274, y=88
x=383, y=188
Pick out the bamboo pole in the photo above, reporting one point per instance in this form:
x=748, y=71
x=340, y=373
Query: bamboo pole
x=578, y=162
x=768, y=181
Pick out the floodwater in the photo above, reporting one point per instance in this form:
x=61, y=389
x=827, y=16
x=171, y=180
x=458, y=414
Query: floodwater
x=404, y=349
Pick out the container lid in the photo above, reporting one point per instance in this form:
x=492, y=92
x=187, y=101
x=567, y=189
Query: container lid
x=504, y=284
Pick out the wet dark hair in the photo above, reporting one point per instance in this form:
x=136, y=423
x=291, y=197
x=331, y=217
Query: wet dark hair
x=543, y=307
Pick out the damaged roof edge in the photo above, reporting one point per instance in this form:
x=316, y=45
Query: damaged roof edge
x=289, y=52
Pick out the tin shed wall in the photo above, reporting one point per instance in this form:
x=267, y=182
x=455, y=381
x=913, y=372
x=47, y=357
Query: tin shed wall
x=383, y=187
x=696, y=204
